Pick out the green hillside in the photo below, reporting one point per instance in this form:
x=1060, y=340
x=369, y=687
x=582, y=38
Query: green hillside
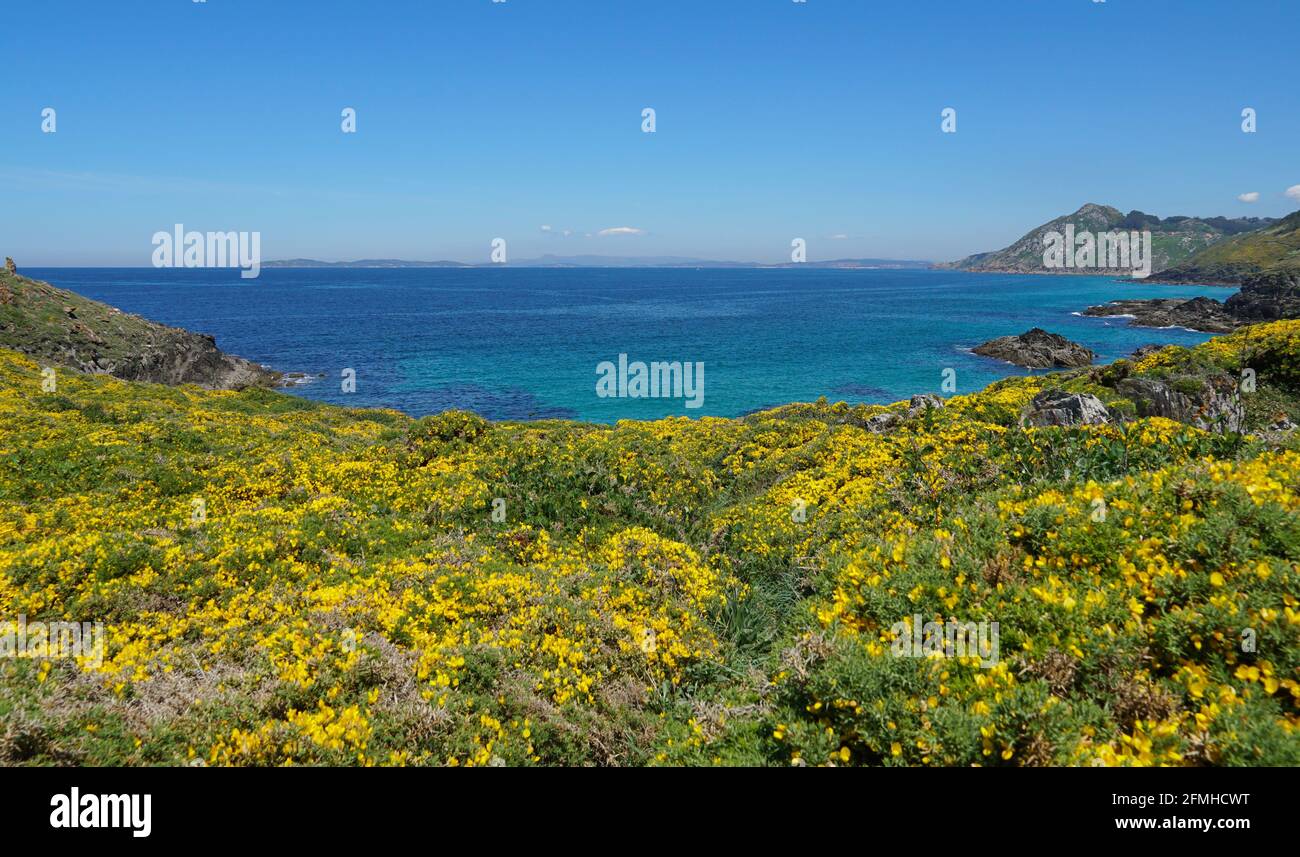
x=1232, y=260
x=1173, y=239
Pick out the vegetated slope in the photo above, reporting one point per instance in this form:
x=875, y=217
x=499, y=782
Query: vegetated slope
x=1173, y=239
x=286, y=582
x=53, y=325
x=1235, y=259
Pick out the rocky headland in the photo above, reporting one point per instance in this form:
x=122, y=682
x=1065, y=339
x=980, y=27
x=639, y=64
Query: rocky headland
x=60, y=327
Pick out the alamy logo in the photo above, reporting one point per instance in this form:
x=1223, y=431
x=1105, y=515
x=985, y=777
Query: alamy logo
x=91, y=810
x=52, y=640
x=915, y=638
x=1115, y=249
x=658, y=380
x=181, y=249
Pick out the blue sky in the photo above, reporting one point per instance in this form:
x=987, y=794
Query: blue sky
x=775, y=120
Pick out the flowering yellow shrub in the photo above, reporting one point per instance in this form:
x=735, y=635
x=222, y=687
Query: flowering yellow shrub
x=282, y=582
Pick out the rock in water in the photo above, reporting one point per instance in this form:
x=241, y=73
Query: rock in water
x=1204, y=314
x=1037, y=349
x=1059, y=408
x=1265, y=296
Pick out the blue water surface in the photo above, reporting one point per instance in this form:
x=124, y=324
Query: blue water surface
x=524, y=343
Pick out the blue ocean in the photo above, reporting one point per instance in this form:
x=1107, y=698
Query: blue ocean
x=525, y=343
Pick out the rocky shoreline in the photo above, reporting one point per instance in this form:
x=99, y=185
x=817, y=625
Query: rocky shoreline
x=1201, y=314
x=1266, y=296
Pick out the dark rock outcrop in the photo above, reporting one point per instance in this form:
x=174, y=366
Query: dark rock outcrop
x=1203, y=314
x=883, y=422
x=1268, y=296
x=1144, y=351
x=1061, y=408
x=177, y=356
x=1037, y=349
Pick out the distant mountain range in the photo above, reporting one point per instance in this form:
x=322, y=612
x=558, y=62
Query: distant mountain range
x=1174, y=240
x=593, y=261
x=1219, y=250
x=361, y=263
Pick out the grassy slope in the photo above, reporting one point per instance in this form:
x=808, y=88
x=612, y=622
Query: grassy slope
x=347, y=597
x=57, y=326
x=48, y=322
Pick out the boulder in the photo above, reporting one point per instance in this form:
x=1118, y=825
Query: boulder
x=1060, y=408
x=881, y=423
x=922, y=403
x=889, y=420
x=1037, y=349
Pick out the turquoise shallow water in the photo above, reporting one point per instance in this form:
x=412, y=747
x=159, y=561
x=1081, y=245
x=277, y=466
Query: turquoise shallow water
x=524, y=343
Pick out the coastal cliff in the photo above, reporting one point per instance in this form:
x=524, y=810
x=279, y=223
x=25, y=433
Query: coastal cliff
x=57, y=326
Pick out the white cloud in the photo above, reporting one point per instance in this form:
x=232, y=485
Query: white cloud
x=1293, y=191
x=546, y=228
x=1253, y=196
x=621, y=230
x=839, y=236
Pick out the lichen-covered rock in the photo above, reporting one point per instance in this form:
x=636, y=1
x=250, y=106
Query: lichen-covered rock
x=1061, y=408
x=1211, y=404
x=881, y=423
x=925, y=402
